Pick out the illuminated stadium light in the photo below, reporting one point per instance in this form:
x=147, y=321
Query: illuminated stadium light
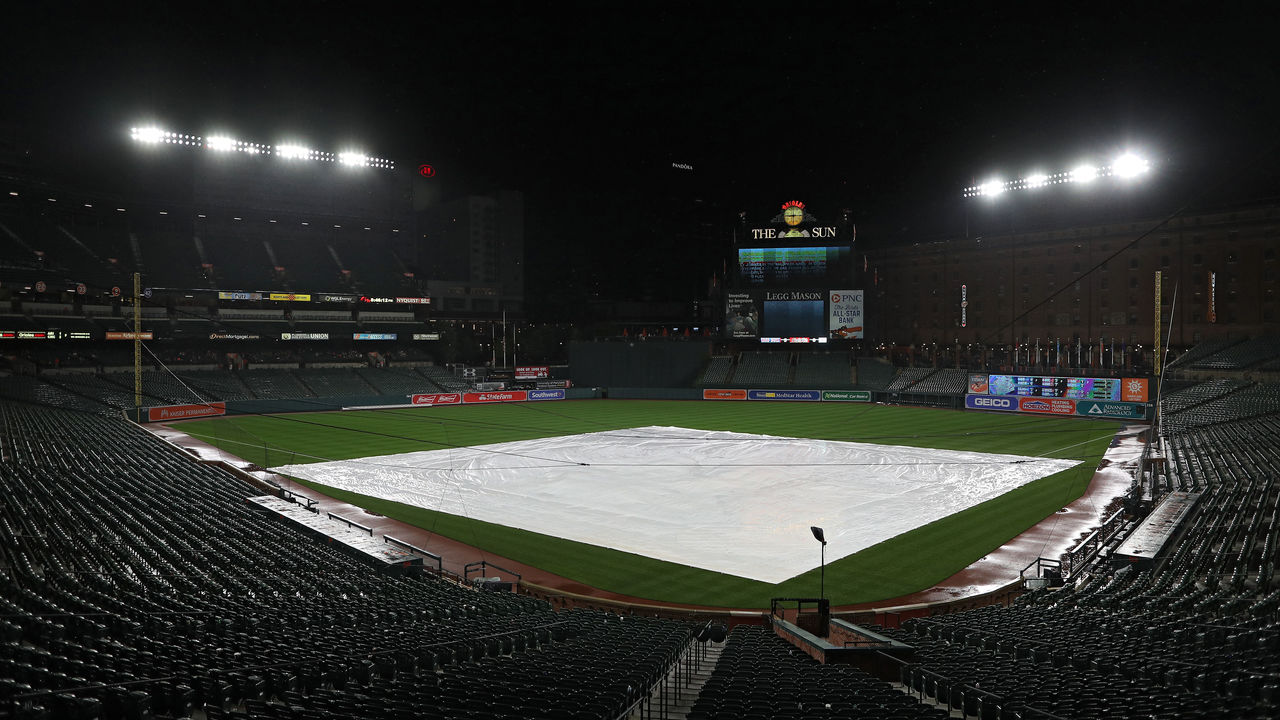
x=293, y=152
x=220, y=143
x=1126, y=166
x=147, y=134
x=1129, y=165
x=1084, y=174
x=993, y=187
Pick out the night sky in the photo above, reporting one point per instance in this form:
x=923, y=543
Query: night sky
x=888, y=109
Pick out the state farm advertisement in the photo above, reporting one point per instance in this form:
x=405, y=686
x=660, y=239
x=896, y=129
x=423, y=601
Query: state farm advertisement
x=430, y=399
x=492, y=397
x=1052, y=406
x=182, y=412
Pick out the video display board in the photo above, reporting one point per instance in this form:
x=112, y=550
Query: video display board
x=794, y=316
x=1076, y=388
x=798, y=316
x=792, y=266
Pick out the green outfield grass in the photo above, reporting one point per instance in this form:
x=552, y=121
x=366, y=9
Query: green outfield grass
x=909, y=562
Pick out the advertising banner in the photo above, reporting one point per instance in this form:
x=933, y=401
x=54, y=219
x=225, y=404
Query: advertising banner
x=978, y=385
x=180, y=412
x=533, y=372
x=742, y=315
x=844, y=315
x=546, y=394
x=304, y=336
x=234, y=336
x=236, y=295
x=991, y=402
x=1053, y=406
x=373, y=336
x=413, y=301
x=784, y=395
x=1136, y=390
x=1095, y=408
x=432, y=399
x=290, y=297
x=144, y=335
x=491, y=397
x=426, y=336
x=846, y=395
x=724, y=394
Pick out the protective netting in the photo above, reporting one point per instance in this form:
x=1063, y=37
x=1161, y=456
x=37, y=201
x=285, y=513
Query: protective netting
x=730, y=502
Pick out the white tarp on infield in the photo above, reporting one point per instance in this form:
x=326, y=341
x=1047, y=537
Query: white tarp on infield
x=731, y=502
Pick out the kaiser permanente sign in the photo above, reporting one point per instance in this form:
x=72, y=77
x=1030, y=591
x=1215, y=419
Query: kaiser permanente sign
x=1057, y=406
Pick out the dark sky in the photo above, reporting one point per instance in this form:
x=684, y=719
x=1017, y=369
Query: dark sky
x=889, y=109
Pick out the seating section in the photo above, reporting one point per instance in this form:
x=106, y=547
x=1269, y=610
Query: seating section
x=335, y=382
x=717, y=371
x=1196, y=637
x=444, y=379
x=1250, y=401
x=395, y=381
x=823, y=370
x=1176, y=402
x=1201, y=351
x=908, y=377
x=140, y=584
x=1242, y=355
x=947, y=381
x=112, y=392
x=216, y=384
x=763, y=369
x=760, y=675
x=874, y=374
x=274, y=383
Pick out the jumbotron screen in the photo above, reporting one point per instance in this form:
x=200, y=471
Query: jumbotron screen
x=1076, y=388
x=794, y=266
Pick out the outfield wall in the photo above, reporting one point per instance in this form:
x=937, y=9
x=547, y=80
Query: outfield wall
x=325, y=404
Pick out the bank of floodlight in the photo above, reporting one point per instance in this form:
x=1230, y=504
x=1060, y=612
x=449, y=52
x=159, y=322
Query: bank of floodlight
x=1085, y=173
x=293, y=152
x=147, y=134
x=220, y=143
x=288, y=151
x=1125, y=166
x=992, y=187
x=1129, y=165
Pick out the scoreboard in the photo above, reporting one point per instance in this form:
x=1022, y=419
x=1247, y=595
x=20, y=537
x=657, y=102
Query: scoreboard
x=1075, y=388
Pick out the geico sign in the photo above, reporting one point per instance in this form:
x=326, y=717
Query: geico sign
x=995, y=403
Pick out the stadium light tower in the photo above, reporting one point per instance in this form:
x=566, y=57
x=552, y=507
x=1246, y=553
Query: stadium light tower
x=1127, y=166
